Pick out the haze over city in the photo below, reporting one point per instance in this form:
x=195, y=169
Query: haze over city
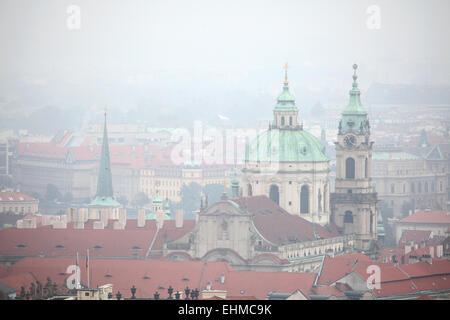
x=211, y=150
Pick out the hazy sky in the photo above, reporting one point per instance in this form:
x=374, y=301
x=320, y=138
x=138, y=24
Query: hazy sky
x=216, y=49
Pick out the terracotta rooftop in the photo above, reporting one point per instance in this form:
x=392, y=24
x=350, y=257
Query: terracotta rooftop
x=280, y=227
x=336, y=268
x=10, y=196
x=415, y=236
x=149, y=276
x=131, y=242
x=431, y=217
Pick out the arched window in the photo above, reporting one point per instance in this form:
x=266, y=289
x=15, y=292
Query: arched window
x=348, y=217
x=432, y=186
x=419, y=187
x=290, y=121
x=392, y=188
x=412, y=187
x=426, y=186
x=350, y=168
x=304, y=199
x=250, y=191
x=274, y=194
x=282, y=121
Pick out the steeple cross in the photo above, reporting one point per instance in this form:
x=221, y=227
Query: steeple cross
x=286, y=67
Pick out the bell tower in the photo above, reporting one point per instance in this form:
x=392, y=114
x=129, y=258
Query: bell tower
x=354, y=204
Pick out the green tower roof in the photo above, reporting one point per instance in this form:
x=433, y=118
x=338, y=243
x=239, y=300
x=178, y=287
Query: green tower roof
x=286, y=100
x=354, y=116
x=105, y=195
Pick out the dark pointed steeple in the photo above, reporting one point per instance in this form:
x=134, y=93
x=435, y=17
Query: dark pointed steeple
x=105, y=195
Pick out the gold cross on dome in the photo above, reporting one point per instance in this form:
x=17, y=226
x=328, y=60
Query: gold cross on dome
x=286, y=67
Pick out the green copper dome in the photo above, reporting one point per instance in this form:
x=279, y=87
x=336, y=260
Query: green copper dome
x=285, y=146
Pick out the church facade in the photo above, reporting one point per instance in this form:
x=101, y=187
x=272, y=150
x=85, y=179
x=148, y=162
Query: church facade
x=286, y=218
x=289, y=165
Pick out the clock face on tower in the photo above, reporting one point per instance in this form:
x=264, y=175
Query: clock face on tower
x=350, y=140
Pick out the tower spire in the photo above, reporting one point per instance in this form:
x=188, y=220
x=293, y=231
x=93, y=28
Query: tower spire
x=355, y=106
x=105, y=194
x=355, y=76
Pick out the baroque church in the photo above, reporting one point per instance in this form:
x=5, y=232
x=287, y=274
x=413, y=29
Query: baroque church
x=286, y=217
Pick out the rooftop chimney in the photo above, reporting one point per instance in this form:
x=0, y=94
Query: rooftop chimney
x=407, y=249
x=427, y=258
x=412, y=259
x=208, y=285
x=222, y=278
x=179, y=215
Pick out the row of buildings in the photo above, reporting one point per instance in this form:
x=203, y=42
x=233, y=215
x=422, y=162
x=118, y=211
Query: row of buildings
x=283, y=221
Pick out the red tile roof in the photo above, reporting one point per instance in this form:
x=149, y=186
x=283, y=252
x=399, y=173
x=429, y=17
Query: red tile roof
x=127, y=243
x=424, y=269
x=42, y=150
x=413, y=286
x=16, y=281
x=387, y=253
x=415, y=236
x=431, y=217
x=149, y=276
x=260, y=284
x=10, y=196
x=278, y=226
x=336, y=268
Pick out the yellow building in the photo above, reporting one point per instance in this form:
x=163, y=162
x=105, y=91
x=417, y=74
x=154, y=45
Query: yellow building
x=167, y=180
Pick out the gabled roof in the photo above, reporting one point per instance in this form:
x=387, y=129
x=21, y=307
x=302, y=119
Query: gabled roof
x=10, y=196
x=278, y=226
x=431, y=217
x=415, y=236
x=440, y=151
x=337, y=267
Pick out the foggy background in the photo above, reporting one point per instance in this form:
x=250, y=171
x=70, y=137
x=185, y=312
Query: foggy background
x=169, y=63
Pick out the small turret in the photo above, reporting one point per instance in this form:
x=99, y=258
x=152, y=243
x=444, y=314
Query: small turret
x=235, y=185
